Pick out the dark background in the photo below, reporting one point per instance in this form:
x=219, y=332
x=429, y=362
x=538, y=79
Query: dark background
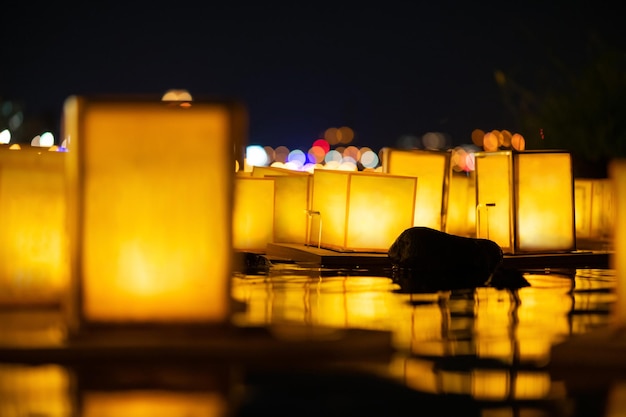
x=385, y=69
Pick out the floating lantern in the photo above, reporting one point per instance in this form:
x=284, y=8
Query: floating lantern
x=253, y=215
x=360, y=211
x=461, y=208
x=432, y=170
x=34, y=246
x=292, y=200
x=151, y=207
x=594, y=209
x=525, y=200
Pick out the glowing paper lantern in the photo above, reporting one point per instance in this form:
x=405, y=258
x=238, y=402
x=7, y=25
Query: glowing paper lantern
x=151, y=207
x=34, y=247
x=253, y=214
x=617, y=175
x=594, y=208
x=292, y=201
x=360, y=211
x=525, y=200
x=461, y=208
x=432, y=170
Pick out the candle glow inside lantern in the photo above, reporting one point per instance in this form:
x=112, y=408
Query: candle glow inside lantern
x=34, y=246
x=525, y=200
x=432, y=169
x=292, y=201
x=253, y=214
x=360, y=211
x=151, y=198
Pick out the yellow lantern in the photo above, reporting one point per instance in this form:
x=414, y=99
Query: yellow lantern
x=34, y=247
x=432, y=170
x=461, y=208
x=617, y=175
x=525, y=200
x=253, y=214
x=594, y=209
x=151, y=207
x=360, y=211
x=292, y=202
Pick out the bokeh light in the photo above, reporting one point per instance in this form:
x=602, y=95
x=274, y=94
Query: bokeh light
x=490, y=142
x=518, y=142
x=5, y=136
x=333, y=155
x=281, y=153
x=316, y=154
x=296, y=158
x=322, y=143
x=256, y=156
x=369, y=159
x=477, y=137
x=434, y=141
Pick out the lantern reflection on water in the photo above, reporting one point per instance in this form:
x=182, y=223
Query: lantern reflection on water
x=30, y=390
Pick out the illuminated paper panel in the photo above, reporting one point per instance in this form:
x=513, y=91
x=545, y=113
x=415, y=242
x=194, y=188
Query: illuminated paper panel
x=292, y=202
x=545, y=201
x=594, y=208
x=461, y=208
x=34, y=247
x=151, y=193
x=494, y=198
x=432, y=170
x=253, y=215
x=525, y=200
x=361, y=211
x=582, y=206
x=617, y=175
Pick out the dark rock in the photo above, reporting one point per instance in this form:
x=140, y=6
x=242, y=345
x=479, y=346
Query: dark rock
x=435, y=260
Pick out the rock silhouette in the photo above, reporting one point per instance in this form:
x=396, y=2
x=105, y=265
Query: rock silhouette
x=429, y=259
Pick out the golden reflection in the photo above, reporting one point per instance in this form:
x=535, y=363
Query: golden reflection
x=35, y=390
x=32, y=327
x=149, y=403
x=487, y=384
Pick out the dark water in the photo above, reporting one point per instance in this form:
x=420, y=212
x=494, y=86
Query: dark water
x=470, y=352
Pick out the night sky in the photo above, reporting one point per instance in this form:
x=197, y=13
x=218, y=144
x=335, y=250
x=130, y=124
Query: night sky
x=385, y=69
